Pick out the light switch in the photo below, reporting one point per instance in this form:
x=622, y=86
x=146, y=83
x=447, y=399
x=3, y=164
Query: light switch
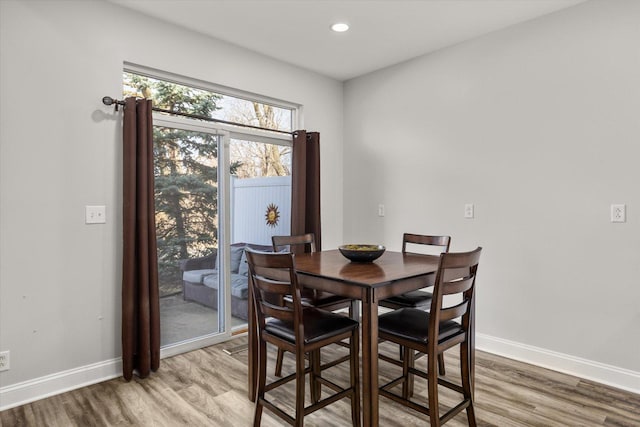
x=95, y=214
x=380, y=210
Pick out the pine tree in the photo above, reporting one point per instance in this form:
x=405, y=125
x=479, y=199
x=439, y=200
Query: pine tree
x=186, y=184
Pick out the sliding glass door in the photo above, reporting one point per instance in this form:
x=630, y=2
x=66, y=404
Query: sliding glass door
x=222, y=163
x=187, y=184
x=259, y=205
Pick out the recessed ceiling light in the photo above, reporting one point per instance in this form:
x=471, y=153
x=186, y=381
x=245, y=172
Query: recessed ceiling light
x=340, y=27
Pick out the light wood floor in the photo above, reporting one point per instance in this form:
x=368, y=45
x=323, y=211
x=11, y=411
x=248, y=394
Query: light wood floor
x=208, y=388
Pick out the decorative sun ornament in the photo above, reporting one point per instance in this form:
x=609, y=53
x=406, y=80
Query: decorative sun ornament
x=272, y=216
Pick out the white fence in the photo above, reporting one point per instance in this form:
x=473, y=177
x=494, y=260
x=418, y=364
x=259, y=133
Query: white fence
x=250, y=200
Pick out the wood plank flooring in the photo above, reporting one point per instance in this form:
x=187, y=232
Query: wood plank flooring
x=208, y=388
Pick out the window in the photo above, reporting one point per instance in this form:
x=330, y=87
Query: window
x=218, y=186
x=182, y=98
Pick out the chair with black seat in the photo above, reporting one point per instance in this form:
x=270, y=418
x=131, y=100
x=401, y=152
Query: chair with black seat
x=435, y=331
x=418, y=299
x=319, y=299
x=301, y=330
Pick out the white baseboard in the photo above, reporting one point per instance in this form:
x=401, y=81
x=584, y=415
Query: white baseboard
x=613, y=376
x=50, y=385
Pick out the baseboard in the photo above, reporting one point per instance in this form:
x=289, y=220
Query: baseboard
x=613, y=376
x=50, y=385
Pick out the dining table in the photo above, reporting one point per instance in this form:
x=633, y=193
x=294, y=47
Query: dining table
x=394, y=273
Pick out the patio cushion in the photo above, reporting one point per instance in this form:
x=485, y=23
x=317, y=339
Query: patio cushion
x=236, y=255
x=239, y=284
x=196, y=276
x=244, y=267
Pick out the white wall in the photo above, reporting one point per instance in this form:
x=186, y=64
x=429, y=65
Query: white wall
x=61, y=150
x=538, y=126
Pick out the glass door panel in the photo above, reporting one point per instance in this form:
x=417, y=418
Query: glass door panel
x=187, y=224
x=260, y=207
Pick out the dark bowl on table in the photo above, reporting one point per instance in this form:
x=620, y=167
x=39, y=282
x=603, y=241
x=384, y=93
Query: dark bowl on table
x=362, y=253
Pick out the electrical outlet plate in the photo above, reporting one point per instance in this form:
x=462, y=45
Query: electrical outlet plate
x=618, y=213
x=4, y=361
x=468, y=210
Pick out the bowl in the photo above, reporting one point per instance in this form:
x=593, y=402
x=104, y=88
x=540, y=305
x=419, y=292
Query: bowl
x=361, y=253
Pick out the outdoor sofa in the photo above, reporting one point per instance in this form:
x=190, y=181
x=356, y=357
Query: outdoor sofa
x=200, y=279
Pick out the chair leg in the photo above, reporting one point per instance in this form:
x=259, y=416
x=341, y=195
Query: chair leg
x=279, y=359
x=441, y=368
x=355, y=379
x=262, y=380
x=465, y=374
x=432, y=379
x=441, y=364
x=408, y=359
x=314, y=384
x=299, y=421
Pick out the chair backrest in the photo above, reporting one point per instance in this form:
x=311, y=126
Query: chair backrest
x=456, y=276
x=440, y=243
x=306, y=243
x=272, y=276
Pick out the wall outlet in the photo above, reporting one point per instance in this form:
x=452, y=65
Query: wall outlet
x=4, y=361
x=380, y=210
x=618, y=213
x=468, y=210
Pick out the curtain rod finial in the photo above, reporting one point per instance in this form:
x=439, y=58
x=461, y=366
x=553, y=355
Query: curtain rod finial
x=107, y=100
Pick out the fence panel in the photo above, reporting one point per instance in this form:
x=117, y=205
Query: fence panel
x=250, y=201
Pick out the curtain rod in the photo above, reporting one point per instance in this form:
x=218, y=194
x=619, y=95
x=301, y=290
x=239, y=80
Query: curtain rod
x=107, y=100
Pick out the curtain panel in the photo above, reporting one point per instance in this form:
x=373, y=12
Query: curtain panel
x=140, y=294
x=305, y=185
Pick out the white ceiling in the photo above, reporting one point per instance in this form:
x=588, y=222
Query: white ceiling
x=383, y=32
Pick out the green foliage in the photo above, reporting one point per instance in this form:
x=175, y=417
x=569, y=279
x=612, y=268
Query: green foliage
x=186, y=184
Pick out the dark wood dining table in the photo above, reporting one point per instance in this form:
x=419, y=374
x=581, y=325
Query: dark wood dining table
x=392, y=274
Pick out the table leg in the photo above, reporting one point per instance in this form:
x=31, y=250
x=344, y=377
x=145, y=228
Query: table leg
x=369, y=328
x=472, y=345
x=252, y=348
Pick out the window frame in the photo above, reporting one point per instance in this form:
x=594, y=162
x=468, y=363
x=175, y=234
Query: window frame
x=226, y=132
x=296, y=109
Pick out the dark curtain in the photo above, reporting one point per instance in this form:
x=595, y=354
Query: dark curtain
x=305, y=185
x=140, y=296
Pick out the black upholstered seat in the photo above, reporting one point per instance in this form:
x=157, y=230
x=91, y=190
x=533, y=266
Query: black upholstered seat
x=413, y=325
x=318, y=326
x=302, y=330
x=310, y=297
x=413, y=299
x=417, y=299
x=448, y=324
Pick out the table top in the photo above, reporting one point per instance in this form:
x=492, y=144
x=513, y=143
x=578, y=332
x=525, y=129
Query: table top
x=391, y=266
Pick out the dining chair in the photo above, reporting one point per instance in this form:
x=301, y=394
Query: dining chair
x=417, y=299
x=323, y=300
x=301, y=330
x=448, y=323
